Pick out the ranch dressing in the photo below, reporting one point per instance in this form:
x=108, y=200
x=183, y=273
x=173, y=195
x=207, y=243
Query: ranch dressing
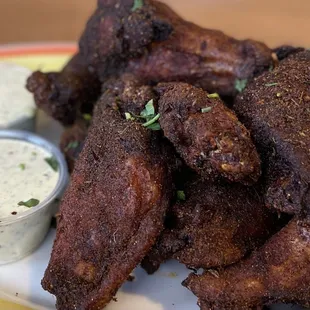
x=27, y=176
x=17, y=107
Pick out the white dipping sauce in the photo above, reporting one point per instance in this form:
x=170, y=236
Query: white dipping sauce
x=25, y=175
x=16, y=103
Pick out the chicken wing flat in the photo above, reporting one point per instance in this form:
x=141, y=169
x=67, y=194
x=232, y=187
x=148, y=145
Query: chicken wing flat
x=278, y=272
x=66, y=94
x=154, y=43
x=112, y=212
x=216, y=226
x=207, y=134
x=276, y=109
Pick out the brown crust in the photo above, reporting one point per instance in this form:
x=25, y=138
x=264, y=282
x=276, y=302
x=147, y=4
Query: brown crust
x=216, y=226
x=153, y=43
x=275, y=108
x=278, y=272
x=214, y=143
x=72, y=141
x=111, y=214
x=67, y=94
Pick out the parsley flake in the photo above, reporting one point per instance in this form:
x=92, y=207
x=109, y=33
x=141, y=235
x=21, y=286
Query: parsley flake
x=149, y=110
x=138, y=4
x=53, y=163
x=71, y=145
x=30, y=203
x=87, y=117
x=22, y=166
x=155, y=126
x=129, y=117
x=271, y=84
x=206, y=110
x=214, y=96
x=240, y=85
x=150, y=117
x=151, y=121
x=181, y=196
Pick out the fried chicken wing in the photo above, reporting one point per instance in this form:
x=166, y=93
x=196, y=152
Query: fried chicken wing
x=216, y=226
x=203, y=57
x=112, y=212
x=154, y=43
x=66, y=94
x=278, y=272
x=207, y=134
x=276, y=109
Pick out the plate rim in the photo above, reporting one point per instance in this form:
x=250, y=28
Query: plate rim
x=37, y=48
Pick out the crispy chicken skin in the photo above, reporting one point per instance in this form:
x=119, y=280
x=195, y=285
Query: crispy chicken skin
x=203, y=57
x=216, y=226
x=66, y=94
x=207, y=134
x=131, y=93
x=278, y=272
x=112, y=212
x=153, y=43
x=275, y=108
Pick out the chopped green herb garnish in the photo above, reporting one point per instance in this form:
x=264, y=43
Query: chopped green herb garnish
x=22, y=166
x=271, y=84
x=155, y=126
x=87, y=117
x=151, y=121
x=129, y=117
x=181, y=196
x=71, y=145
x=240, y=85
x=149, y=110
x=213, y=96
x=138, y=4
x=206, y=110
x=52, y=161
x=30, y=203
x=271, y=68
x=148, y=115
x=34, y=153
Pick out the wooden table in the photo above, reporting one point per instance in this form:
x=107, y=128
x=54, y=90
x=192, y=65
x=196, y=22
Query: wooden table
x=273, y=21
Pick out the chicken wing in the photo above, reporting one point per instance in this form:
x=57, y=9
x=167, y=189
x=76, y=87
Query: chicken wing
x=215, y=226
x=276, y=109
x=278, y=272
x=112, y=212
x=67, y=94
x=207, y=134
x=154, y=43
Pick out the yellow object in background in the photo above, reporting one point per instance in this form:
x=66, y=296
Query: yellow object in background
x=5, y=305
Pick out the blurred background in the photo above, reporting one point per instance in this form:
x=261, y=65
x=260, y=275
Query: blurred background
x=273, y=21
